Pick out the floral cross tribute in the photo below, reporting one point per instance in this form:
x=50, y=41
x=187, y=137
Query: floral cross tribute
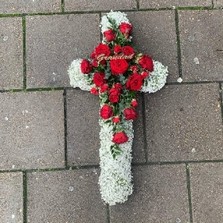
x=116, y=72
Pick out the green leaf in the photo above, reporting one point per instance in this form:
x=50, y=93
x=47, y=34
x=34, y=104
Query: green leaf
x=115, y=151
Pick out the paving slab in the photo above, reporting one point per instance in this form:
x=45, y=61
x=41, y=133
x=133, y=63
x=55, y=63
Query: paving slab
x=83, y=130
x=184, y=122
x=207, y=192
x=89, y=5
x=156, y=38
x=53, y=42
x=201, y=45
x=11, y=53
x=31, y=130
x=218, y=3
x=160, y=195
x=27, y=6
x=65, y=196
x=11, y=198
x=173, y=3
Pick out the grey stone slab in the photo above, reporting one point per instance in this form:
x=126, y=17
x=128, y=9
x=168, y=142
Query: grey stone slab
x=31, y=130
x=89, y=5
x=65, y=196
x=207, y=192
x=156, y=38
x=83, y=130
x=184, y=123
x=29, y=6
x=201, y=45
x=160, y=195
x=173, y=3
x=11, y=198
x=218, y=3
x=11, y=53
x=53, y=42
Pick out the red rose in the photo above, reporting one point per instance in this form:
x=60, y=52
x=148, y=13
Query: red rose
x=94, y=91
x=118, y=66
x=106, y=112
x=134, y=68
x=146, y=62
x=120, y=137
x=104, y=88
x=92, y=56
x=117, y=49
x=116, y=119
x=128, y=50
x=125, y=28
x=118, y=86
x=99, y=79
x=144, y=74
x=102, y=49
x=85, y=66
x=109, y=35
x=130, y=114
x=114, y=94
x=134, y=103
x=134, y=82
x=95, y=63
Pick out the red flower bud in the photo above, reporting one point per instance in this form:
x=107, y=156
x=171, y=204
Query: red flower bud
x=134, y=103
x=119, y=138
x=116, y=119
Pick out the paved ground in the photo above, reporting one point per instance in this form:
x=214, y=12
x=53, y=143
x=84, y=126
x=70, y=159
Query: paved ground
x=49, y=132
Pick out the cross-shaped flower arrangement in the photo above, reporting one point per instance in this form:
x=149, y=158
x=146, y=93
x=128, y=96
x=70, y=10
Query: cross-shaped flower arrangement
x=116, y=72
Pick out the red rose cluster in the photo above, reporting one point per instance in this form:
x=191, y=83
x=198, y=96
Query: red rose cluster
x=117, y=72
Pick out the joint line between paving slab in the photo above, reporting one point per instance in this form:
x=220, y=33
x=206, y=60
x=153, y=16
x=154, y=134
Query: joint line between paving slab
x=137, y=4
x=96, y=166
x=178, y=43
x=144, y=126
x=24, y=50
x=65, y=127
x=71, y=88
x=189, y=193
x=105, y=11
x=221, y=99
x=108, y=213
x=24, y=197
x=62, y=6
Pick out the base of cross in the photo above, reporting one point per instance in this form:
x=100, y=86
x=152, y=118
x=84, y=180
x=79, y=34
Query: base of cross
x=116, y=178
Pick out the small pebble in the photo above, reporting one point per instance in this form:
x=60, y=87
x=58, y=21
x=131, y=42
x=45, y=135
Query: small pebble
x=13, y=216
x=193, y=150
x=71, y=188
x=178, y=220
x=196, y=61
x=5, y=38
x=179, y=80
x=6, y=118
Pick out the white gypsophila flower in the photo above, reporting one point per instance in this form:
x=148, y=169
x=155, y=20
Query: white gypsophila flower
x=119, y=17
x=115, y=179
x=77, y=78
x=157, y=78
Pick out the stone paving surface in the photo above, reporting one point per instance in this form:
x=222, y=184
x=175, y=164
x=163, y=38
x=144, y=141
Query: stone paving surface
x=49, y=132
x=11, y=54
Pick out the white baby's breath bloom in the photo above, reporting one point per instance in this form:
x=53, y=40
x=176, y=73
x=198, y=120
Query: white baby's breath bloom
x=157, y=78
x=77, y=78
x=119, y=17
